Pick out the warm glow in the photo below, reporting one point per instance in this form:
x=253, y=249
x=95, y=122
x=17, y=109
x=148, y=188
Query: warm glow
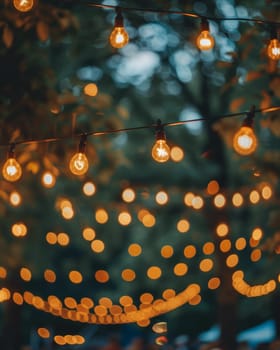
x=51, y=238
x=232, y=260
x=197, y=202
x=219, y=201
x=124, y=218
x=206, y=265
x=266, y=192
x=128, y=195
x=154, y=272
x=213, y=187
x=128, y=275
x=49, y=276
x=119, y=37
x=176, y=154
x=180, y=269
x=149, y=220
x=146, y=298
x=25, y=274
x=189, y=196
x=70, y=303
x=161, y=197
x=222, y=230
x=67, y=213
x=15, y=199
x=183, y=226
x=256, y=255
x=134, y=249
x=89, y=189
x=79, y=164
x=107, y=302
x=17, y=298
x=161, y=151
x=19, y=230
x=48, y=179
x=3, y=272
x=23, y=5
x=75, y=277
x=63, y=239
x=97, y=246
x=167, y=251
x=190, y=251
x=43, y=332
x=225, y=245
x=237, y=199
x=245, y=141
x=195, y=300
x=254, y=197
x=91, y=89
x=101, y=216
x=11, y=170
x=126, y=300
x=89, y=234
x=208, y=248
x=273, y=49
x=168, y=294
x=257, y=234
x=240, y=243
x=205, y=40
x=214, y=283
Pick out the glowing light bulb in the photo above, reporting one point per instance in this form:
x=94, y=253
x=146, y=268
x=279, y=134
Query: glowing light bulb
x=245, y=141
x=205, y=40
x=23, y=5
x=11, y=169
x=273, y=49
x=119, y=37
x=78, y=164
x=160, y=150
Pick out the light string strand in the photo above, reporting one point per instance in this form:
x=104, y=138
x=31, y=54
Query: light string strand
x=144, y=127
x=182, y=13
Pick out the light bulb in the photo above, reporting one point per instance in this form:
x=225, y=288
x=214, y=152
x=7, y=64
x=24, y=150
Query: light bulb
x=245, y=141
x=11, y=170
x=119, y=37
x=161, y=151
x=78, y=164
x=205, y=40
x=23, y=5
x=273, y=49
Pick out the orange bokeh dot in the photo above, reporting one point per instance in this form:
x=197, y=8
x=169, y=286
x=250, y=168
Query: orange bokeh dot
x=161, y=197
x=3, y=272
x=176, y=154
x=100, y=310
x=49, y=276
x=97, y=246
x=180, y=269
x=183, y=226
x=17, y=298
x=149, y=220
x=222, y=230
x=256, y=255
x=124, y=218
x=154, y=272
x=206, y=265
x=189, y=196
x=232, y=260
x=102, y=276
x=128, y=195
x=43, y=332
x=146, y=298
x=167, y=251
x=190, y=251
x=134, y=249
x=219, y=201
x=168, y=294
x=237, y=199
x=25, y=274
x=101, y=216
x=213, y=187
x=75, y=277
x=89, y=234
x=240, y=243
x=70, y=302
x=51, y=238
x=126, y=300
x=128, y=275
x=225, y=245
x=208, y=248
x=63, y=239
x=105, y=301
x=91, y=89
x=214, y=283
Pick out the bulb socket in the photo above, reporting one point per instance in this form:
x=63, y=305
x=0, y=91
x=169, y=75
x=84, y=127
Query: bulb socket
x=204, y=25
x=118, y=18
x=82, y=144
x=160, y=134
x=249, y=120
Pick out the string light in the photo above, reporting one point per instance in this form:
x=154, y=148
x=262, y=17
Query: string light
x=119, y=37
x=11, y=169
x=273, y=49
x=245, y=141
x=79, y=163
x=23, y=5
x=160, y=150
x=205, y=40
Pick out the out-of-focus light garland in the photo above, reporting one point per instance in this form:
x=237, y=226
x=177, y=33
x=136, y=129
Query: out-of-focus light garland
x=245, y=143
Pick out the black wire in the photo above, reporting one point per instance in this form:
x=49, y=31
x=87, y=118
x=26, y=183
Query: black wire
x=144, y=127
x=183, y=13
